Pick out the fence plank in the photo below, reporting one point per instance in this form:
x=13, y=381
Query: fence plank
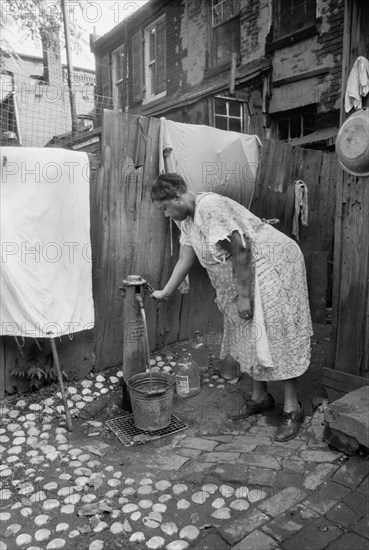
x=2, y=367
x=337, y=251
x=353, y=292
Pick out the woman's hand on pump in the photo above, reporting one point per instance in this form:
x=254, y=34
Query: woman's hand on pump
x=159, y=295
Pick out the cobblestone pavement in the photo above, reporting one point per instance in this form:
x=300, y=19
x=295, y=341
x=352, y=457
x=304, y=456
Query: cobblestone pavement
x=216, y=485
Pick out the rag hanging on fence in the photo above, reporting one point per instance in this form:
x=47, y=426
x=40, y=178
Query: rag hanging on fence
x=46, y=267
x=301, y=208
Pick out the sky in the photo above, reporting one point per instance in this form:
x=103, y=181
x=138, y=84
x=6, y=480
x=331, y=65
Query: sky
x=105, y=14
x=97, y=17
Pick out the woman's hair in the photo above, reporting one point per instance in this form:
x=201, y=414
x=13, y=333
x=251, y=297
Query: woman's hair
x=167, y=187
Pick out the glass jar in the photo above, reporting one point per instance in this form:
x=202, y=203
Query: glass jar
x=199, y=352
x=187, y=377
x=229, y=368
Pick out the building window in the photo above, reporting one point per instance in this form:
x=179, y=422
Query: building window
x=155, y=60
x=225, y=31
x=291, y=16
x=118, y=77
x=295, y=125
x=228, y=114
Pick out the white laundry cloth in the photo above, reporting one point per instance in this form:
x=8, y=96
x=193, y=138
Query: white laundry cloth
x=210, y=159
x=301, y=208
x=357, y=84
x=46, y=268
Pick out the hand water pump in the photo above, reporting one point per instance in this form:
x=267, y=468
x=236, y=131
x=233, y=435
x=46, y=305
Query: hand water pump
x=136, y=350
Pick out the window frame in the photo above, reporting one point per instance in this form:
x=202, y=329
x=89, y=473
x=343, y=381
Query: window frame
x=227, y=116
x=280, y=32
x=291, y=116
x=149, y=63
x=234, y=19
x=118, y=98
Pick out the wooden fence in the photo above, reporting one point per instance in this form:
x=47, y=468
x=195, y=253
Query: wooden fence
x=351, y=280
x=129, y=235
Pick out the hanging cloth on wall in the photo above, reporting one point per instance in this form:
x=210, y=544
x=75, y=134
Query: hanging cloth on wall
x=46, y=267
x=357, y=84
x=301, y=208
x=210, y=159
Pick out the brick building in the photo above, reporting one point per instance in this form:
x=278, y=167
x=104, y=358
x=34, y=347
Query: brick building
x=34, y=97
x=270, y=67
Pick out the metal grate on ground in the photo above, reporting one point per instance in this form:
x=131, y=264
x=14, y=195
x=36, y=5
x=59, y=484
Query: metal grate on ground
x=125, y=430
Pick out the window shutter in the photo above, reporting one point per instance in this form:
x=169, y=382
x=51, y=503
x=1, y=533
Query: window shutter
x=137, y=67
x=106, y=90
x=161, y=63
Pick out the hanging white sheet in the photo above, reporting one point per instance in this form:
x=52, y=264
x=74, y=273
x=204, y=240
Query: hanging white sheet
x=46, y=266
x=210, y=159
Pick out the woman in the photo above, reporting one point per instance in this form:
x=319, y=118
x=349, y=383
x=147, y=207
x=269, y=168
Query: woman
x=259, y=277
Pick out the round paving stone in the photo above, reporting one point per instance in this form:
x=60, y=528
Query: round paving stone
x=12, y=530
x=137, y=537
x=162, y=485
x=190, y=532
x=96, y=545
x=72, y=499
x=116, y=528
x=51, y=486
x=67, y=509
x=256, y=495
x=42, y=534
x=183, y=504
x=55, y=544
x=38, y=497
x=145, y=503
x=239, y=504
x=23, y=539
x=62, y=527
x=155, y=543
x=177, y=545
x=50, y=504
x=179, y=488
x=41, y=519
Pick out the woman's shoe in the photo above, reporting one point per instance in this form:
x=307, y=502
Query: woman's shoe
x=253, y=407
x=291, y=425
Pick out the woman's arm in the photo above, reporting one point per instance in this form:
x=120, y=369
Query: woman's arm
x=182, y=268
x=242, y=267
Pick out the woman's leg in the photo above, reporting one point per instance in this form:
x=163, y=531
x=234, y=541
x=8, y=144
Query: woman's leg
x=293, y=413
x=290, y=395
x=259, y=391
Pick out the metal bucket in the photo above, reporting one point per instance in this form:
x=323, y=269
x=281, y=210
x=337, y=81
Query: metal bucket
x=151, y=412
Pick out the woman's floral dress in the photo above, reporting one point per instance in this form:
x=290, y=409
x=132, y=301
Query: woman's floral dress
x=275, y=344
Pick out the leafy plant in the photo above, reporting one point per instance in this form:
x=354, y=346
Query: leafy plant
x=37, y=366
